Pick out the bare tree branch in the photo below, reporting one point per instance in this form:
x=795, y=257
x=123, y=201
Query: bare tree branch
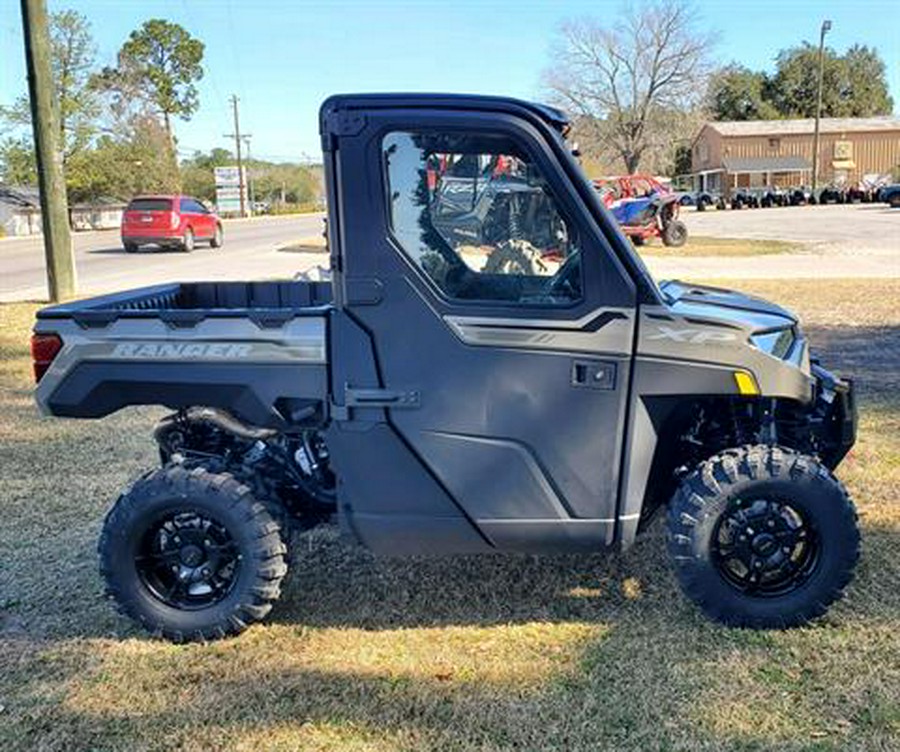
x=631, y=80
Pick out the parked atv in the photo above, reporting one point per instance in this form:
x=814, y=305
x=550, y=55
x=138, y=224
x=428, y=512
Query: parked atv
x=655, y=216
x=644, y=208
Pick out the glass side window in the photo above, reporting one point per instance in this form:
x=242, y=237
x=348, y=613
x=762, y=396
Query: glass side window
x=476, y=215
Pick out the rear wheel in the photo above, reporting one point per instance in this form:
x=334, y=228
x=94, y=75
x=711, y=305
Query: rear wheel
x=674, y=234
x=187, y=242
x=130, y=247
x=217, y=238
x=894, y=201
x=192, y=555
x=637, y=239
x=762, y=537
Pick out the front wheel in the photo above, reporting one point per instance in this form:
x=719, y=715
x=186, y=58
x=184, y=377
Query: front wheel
x=191, y=554
x=674, y=234
x=762, y=537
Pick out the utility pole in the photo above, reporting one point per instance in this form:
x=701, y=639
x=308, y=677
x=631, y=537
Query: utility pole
x=51, y=182
x=826, y=27
x=246, y=138
x=237, y=148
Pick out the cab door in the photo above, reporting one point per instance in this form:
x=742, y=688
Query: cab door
x=500, y=320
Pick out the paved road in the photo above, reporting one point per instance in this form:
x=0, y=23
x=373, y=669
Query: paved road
x=250, y=252
x=841, y=241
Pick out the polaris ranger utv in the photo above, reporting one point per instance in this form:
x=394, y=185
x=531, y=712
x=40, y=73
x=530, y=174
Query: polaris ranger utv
x=481, y=378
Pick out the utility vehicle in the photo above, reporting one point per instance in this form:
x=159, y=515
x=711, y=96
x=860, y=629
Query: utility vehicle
x=644, y=208
x=513, y=382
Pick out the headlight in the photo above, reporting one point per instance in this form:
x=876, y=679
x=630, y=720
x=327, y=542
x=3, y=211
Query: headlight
x=777, y=343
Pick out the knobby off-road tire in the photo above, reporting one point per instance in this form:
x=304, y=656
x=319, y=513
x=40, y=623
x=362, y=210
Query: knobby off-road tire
x=675, y=234
x=740, y=510
x=192, y=555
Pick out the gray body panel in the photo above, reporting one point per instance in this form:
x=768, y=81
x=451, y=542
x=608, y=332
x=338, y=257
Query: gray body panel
x=227, y=362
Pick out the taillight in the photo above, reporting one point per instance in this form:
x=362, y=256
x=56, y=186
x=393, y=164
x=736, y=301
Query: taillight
x=44, y=348
x=174, y=220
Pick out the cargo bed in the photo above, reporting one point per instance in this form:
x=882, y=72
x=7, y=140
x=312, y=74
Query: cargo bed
x=186, y=302
x=255, y=348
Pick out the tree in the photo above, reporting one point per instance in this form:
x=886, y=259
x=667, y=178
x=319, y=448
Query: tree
x=854, y=85
x=72, y=58
x=865, y=89
x=158, y=64
x=124, y=165
x=198, y=172
x=17, y=163
x=794, y=85
x=738, y=93
x=627, y=82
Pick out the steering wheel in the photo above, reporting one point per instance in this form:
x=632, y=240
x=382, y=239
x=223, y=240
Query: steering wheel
x=563, y=283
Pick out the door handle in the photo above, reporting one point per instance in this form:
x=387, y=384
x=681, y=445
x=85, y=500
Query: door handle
x=594, y=374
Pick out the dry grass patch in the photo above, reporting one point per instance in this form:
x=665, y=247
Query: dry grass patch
x=699, y=245
x=470, y=653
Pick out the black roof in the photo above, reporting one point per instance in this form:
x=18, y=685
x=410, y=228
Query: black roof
x=554, y=117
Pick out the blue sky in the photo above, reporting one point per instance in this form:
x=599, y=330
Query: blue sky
x=282, y=58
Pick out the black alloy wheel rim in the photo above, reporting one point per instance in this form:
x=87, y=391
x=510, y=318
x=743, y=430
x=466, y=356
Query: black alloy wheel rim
x=188, y=560
x=765, y=547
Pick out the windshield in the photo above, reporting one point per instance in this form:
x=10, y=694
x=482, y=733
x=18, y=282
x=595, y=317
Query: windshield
x=150, y=204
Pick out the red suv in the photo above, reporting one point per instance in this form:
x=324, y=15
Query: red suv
x=169, y=221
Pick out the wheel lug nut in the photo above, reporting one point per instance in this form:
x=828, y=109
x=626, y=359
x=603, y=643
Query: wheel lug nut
x=771, y=523
x=742, y=538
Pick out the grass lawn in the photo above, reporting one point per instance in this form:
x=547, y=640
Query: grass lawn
x=695, y=246
x=699, y=245
x=518, y=652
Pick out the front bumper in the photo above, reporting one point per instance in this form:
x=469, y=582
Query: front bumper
x=837, y=415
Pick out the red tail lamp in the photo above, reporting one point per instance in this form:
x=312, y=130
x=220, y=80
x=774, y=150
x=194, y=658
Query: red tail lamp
x=44, y=348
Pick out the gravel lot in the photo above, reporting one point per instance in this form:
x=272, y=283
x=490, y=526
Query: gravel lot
x=846, y=230
x=860, y=240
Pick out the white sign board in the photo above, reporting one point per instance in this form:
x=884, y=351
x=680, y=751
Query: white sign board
x=228, y=190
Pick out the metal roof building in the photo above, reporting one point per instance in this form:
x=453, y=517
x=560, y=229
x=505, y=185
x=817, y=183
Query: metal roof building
x=730, y=154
